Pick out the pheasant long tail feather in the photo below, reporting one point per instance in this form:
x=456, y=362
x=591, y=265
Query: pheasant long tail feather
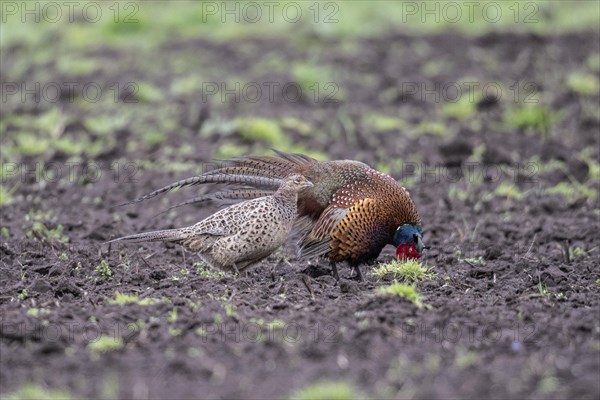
x=212, y=177
x=265, y=166
x=167, y=235
x=264, y=171
x=296, y=158
x=177, y=185
x=243, y=179
x=223, y=197
x=280, y=165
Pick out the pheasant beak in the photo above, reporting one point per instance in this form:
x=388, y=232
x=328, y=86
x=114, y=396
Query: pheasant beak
x=419, y=246
x=308, y=184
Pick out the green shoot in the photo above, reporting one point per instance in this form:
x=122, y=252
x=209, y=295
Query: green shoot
x=406, y=271
x=326, y=390
x=408, y=292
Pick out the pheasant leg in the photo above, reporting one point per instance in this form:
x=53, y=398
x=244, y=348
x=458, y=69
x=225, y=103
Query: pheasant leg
x=358, y=274
x=334, y=271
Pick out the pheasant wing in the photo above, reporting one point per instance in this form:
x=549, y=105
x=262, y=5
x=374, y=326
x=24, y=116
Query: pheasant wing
x=316, y=242
x=362, y=233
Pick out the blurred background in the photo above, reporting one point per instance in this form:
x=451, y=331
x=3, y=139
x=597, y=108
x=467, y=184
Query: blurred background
x=161, y=83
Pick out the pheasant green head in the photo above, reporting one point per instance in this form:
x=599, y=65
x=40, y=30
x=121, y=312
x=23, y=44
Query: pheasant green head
x=408, y=240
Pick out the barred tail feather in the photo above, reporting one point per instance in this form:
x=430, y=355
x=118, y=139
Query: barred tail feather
x=241, y=179
x=281, y=165
x=177, y=185
x=167, y=235
x=211, y=177
x=296, y=158
x=261, y=166
x=223, y=197
x=265, y=171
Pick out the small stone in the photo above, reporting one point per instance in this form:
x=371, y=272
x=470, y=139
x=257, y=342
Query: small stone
x=40, y=286
x=349, y=287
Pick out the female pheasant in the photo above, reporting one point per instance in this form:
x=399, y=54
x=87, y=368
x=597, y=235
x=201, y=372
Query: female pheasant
x=241, y=235
x=350, y=213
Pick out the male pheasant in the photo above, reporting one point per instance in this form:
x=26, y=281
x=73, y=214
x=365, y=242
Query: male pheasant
x=350, y=213
x=241, y=235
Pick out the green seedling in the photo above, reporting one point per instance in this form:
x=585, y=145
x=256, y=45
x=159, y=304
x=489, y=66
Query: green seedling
x=218, y=319
x=275, y=324
x=549, y=383
x=455, y=192
x=477, y=155
x=173, y=331
x=543, y=290
x=583, y=83
x=461, y=110
x=326, y=390
x=31, y=144
x=261, y=129
x=474, y=260
x=407, y=292
x=75, y=67
x=435, y=67
x=5, y=196
x=230, y=310
x=41, y=231
x=384, y=123
x=106, y=344
x=36, y=392
x=405, y=271
x=431, y=128
x=229, y=150
x=188, y=85
x=204, y=271
x=123, y=299
x=548, y=166
x=533, y=118
x=575, y=252
x=148, y=93
x=587, y=156
x=508, y=190
x=110, y=386
x=105, y=124
x=153, y=138
x=172, y=315
x=22, y=295
x=465, y=358
x=36, y=312
x=104, y=269
x=572, y=191
x=314, y=80
x=304, y=128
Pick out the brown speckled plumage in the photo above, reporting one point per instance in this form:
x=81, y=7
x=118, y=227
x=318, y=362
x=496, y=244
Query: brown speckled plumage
x=350, y=213
x=241, y=235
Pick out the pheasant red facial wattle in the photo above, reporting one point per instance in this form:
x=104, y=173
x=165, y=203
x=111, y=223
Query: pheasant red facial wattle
x=407, y=251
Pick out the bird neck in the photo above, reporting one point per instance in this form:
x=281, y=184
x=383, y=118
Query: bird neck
x=286, y=196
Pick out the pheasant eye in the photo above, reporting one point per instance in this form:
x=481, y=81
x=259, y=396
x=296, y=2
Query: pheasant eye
x=415, y=238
